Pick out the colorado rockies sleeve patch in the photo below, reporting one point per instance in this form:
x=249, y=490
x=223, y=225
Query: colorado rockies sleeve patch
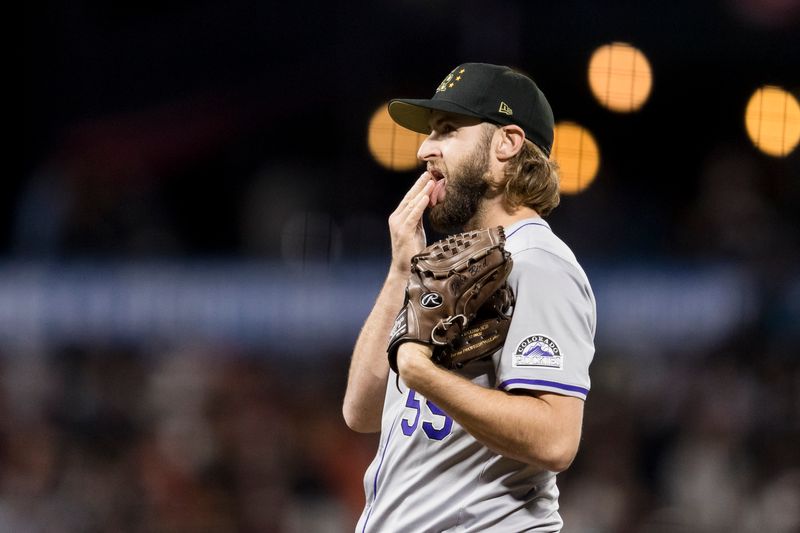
x=537, y=351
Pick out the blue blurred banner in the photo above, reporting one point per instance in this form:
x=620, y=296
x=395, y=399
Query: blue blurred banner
x=309, y=310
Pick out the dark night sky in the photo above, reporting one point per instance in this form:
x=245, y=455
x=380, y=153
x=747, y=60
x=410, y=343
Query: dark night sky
x=215, y=92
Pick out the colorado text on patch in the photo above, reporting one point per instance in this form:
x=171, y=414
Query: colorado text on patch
x=537, y=351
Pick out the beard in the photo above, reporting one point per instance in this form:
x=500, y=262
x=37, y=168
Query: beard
x=467, y=186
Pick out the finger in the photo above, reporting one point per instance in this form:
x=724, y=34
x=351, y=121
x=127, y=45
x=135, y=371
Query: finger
x=415, y=189
x=410, y=203
x=417, y=207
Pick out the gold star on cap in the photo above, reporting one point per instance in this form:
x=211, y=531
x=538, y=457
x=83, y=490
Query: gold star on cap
x=450, y=81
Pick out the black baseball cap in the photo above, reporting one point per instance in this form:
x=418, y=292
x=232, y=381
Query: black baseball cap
x=493, y=93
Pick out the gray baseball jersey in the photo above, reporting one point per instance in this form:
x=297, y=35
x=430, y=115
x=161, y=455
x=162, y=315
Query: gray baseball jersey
x=429, y=474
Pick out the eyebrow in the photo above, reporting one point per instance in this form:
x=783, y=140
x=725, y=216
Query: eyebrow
x=437, y=120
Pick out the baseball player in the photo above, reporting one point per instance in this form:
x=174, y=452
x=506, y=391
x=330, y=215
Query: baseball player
x=477, y=448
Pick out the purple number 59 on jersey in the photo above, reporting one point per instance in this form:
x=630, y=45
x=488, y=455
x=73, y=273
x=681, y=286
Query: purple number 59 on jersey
x=430, y=430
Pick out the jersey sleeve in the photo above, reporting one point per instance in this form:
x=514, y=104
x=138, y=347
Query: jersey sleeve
x=550, y=342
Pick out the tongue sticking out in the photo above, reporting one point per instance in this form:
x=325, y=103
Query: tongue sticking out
x=437, y=194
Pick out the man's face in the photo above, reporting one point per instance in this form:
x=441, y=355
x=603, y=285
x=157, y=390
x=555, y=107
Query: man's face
x=457, y=155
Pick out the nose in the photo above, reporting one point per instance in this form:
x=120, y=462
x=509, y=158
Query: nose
x=429, y=149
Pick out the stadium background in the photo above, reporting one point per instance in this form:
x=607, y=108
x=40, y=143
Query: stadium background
x=195, y=229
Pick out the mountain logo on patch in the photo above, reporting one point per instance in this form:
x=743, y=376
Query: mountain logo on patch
x=537, y=351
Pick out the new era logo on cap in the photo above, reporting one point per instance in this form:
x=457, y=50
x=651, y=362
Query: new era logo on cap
x=493, y=93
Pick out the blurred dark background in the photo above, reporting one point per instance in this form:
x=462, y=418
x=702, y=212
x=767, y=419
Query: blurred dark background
x=195, y=231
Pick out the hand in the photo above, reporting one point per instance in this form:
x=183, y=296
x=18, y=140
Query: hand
x=405, y=224
x=412, y=358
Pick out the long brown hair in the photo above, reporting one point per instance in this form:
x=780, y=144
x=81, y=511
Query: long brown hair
x=531, y=180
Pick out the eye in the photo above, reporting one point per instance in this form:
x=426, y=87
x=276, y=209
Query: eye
x=447, y=128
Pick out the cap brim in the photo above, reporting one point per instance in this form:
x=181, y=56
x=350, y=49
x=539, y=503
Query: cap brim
x=415, y=115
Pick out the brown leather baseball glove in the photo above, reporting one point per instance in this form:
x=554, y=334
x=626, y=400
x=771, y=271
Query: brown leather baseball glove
x=485, y=334
x=451, y=280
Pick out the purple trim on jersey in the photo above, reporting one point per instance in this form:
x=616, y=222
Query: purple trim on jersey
x=542, y=224
x=554, y=384
x=375, y=481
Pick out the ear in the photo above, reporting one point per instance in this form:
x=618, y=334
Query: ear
x=511, y=139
